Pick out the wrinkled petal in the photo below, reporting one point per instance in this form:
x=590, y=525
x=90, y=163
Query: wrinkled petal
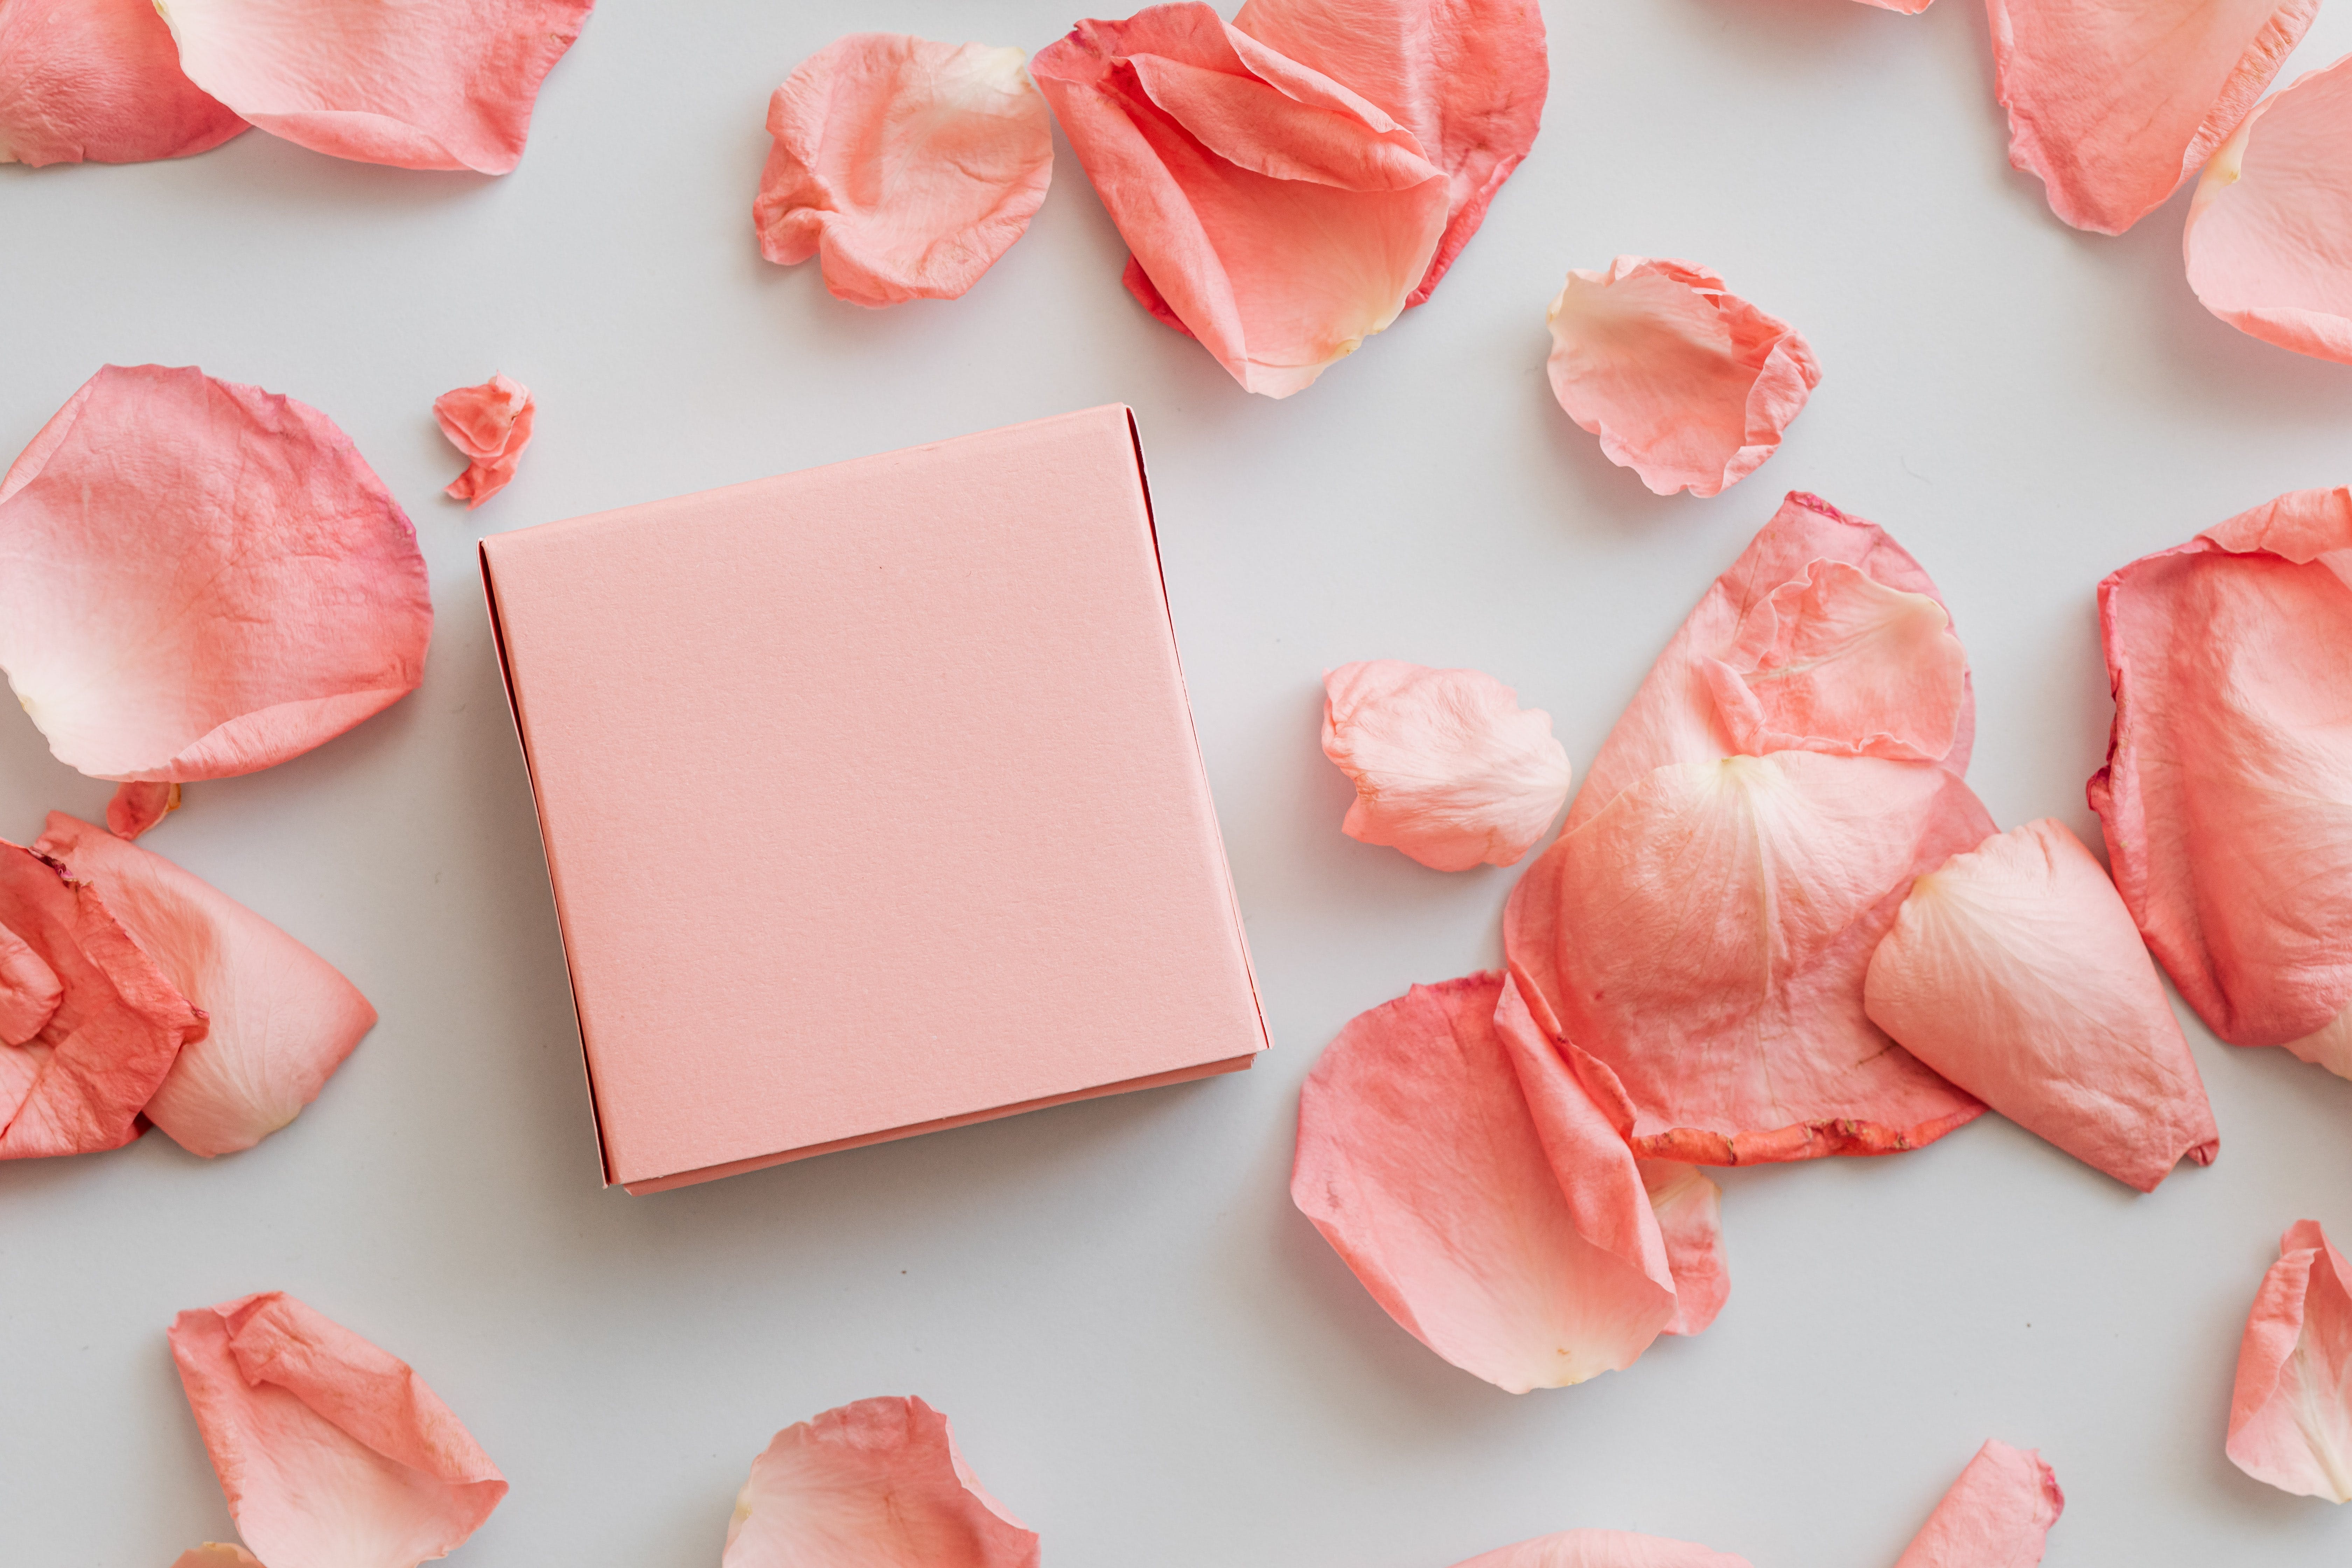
x=1690, y=1219
x=136, y=808
x=491, y=424
x=1447, y=766
x=1996, y=1515
x=1282, y=219
x=1688, y=385
x=282, y=1018
x=1603, y=1548
x=214, y=1554
x=30, y=990
x=877, y=1483
x=2291, y=1411
x=199, y=579
x=426, y=84
x=2113, y=103
x=909, y=166
x=2014, y=970
x=2269, y=241
x=331, y=1453
x=1467, y=78
x=99, y=82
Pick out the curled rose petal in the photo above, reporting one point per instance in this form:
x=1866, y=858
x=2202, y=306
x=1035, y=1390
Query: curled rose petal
x=878, y=1483
x=1278, y=215
x=136, y=808
x=99, y=82
x=1686, y=383
x=30, y=990
x=2290, y=1412
x=907, y=166
x=1997, y=1514
x=1603, y=1548
x=2113, y=103
x=2269, y=241
x=1690, y=1219
x=427, y=84
x=199, y=579
x=491, y=424
x=331, y=1453
x=282, y=1018
x=214, y=1554
x=1447, y=766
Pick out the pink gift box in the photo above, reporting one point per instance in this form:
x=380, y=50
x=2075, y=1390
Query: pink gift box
x=871, y=800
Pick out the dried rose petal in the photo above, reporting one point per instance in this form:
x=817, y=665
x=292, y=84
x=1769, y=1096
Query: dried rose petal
x=2113, y=103
x=1688, y=385
x=136, y=808
x=1603, y=1548
x=878, y=1483
x=1996, y=1515
x=1690, y=1218
x=910, y=165
x=1447, y=766
x=2290, y=1412
x=214, y=1554
x=425, y=84
x=199, y=579
x=331, y=1453
x=99, y=80
x=1282, y=219
x=491, y=424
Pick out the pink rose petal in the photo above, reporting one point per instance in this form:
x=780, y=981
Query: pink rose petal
x=136, y=808
x=1686, y=383
x=1282, y=219
x=2290, y=1413
x=491, y=424
x=877, y=1483
x=1690, y=1219
x=1603, y=1548
x=909, y=166
x=425, y=84
x=2113, y=103
x=30, y=990
x=1996, y=1515
x=99, y=80
x=199, y=579
x=332, y=1454
x=1447, y=766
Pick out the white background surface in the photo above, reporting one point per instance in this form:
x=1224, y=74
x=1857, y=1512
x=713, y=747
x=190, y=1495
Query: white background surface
x=1146, y=1350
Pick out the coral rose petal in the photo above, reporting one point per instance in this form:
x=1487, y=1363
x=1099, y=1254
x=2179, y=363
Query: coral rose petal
x=30, y=990
x=2290, y=1412
x=1690, y=1218
x=878, y=1483
x=214, y=1554
x=491, y=424
x=136, y=808
x=1603, y=1548
x=199, y=579
x=1686, y=383
x=426, y=84
x=1997, y=1514
x=2113, y=103
x=99, y=82
x=331, y=1453
x=907, y=166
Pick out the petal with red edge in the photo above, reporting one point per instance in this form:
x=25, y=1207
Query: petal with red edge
x=1603, y=1548
x=136, y=808
x=2290, y=1412
x=491, y=424
x=1690, y=1218
x=878, y=1483
x=1997, y=1515
x=99, y=82
x=214, y=1554
x=331, y=1453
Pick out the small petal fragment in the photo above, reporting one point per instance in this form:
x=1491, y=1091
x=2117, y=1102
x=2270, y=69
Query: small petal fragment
x=1686, y=383
x=426, y=84
x=2113, y=103
x=199, y=579
x=2290, y=1413
x=136, y=808
x=909, y=166
x=214, y=1554
x=491, y=424
x=1690, y=1218
x=878, y=1483
x=331, y=1453
x=99, y=82
x=1603, y=1548
x=1997, y=1515
x=1447, y=766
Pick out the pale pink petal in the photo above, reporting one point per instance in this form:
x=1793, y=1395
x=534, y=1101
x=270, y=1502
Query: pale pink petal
x=2269, y=241
x=1447, y=766
x=908, y=166
x=1997, y=1514
x=425, y=84
x=331, y=1453
x=199, y=579
x=282, y=1018
x=2290, y=1412
x=1686, y=383
x=2113, y=103
x=1603, y=1548
x=1905, y=7
x=877, y=1483
x=1281, y=216
x=214, y=1554
x=1467, y=78
x=99, y=80
x=1690, y=1218
x=136, y=808
x=491, y=424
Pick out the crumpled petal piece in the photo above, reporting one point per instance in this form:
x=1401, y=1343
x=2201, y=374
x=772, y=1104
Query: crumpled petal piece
x=2014, y=970
x=282, y=1017
x=491, y=424
x=1686, y=383
x=425, y=84
x=1997, y=1515
x=1690, y=1219
x=2113, y=103
x=2268, y=242
x=1447, y=766
x=30, y=991
x=2227, y=793
x=878, y=1483
x=1467, y=78
x=2291, y=1411
x=909, y=166
x=331, y=1453
x=198, y=579
x=1280, y=216
x=1603, y=1548
x=216, y=1554
x=99, y=82
x=136, y=808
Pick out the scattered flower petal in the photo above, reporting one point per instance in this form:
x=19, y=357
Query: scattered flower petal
x=1997, y=1514
x=199, y=579
x=1690, y=1218
x=1603, y=1548
x=1686, y=383
x=2290, y=1413
x=136, y=808
x=30, y=990
x=99, y=82
x=491, y=424
x=331, y=1453
x=214, y=1554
